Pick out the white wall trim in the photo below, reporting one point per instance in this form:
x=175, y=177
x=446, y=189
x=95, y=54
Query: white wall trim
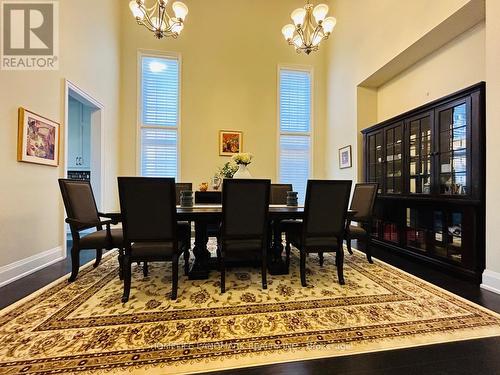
x=98, y=121
x=491, y=281
x=14, y=271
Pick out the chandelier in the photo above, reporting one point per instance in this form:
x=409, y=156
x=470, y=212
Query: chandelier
x=307, y=33
x=156, y=19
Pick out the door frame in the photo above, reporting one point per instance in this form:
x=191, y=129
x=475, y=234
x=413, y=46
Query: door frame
x=97, y=132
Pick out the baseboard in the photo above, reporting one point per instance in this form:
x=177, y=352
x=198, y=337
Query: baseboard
x=24, y=267
x=491, y=281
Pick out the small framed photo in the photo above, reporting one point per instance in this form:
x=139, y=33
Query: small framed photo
x=38, y=139
x=230, y=142
x=345, y=157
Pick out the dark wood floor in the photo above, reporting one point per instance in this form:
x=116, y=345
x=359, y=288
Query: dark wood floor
x=466, y=357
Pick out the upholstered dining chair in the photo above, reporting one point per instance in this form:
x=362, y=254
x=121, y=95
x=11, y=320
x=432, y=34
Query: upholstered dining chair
x=323, y=227
x=245, y=210
x=82, y=214
x=363, y=201
x=278, y=193
x=151, y=232
x=179, y=187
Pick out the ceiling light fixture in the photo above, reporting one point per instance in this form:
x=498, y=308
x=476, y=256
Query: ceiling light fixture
x=310, y=27
x=156, y=19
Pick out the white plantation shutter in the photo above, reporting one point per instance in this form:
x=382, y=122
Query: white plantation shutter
x=295, y=129
x=159, y=152
x=159, y=116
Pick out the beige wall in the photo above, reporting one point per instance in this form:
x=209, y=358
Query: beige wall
x=459, y=64
x=369, y=33
x=492, y=276
x=379, y=36
x=31, y=211
x=230, y=53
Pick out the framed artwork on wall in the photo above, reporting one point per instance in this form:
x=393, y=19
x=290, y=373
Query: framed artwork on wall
x=345, y=157
x=230, y=142
x=38, y=139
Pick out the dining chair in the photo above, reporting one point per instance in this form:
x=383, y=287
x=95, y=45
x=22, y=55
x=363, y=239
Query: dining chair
x=323, y=227
x=278, y=193
x=245, y=210
x=151, y=232
x=82, y=214
x=179, y=187
x=363, y=201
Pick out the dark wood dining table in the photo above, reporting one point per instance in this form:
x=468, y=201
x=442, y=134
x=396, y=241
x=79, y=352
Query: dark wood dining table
x=203, y=215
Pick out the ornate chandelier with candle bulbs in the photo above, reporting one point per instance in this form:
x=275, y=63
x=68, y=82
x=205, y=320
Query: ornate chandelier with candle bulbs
x=311, y=26
x=156, y=18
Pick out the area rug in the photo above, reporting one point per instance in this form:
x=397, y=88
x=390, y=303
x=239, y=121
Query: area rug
x=84, y=328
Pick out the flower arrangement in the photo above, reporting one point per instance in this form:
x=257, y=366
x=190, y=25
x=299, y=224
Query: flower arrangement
x=244, y=158
x=227, y=170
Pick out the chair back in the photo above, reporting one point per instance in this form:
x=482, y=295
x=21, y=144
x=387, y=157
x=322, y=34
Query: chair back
x=325, y=208
x=363, y=201
x=79, y=202
x=181, y=186
x=148, y=209
x=278, y=193
x=245, y=208
x=208, y=197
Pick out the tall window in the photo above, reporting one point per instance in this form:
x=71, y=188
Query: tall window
x=295, y=128
x=159, y=116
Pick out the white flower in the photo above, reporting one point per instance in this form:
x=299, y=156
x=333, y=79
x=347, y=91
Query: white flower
x=243, y=158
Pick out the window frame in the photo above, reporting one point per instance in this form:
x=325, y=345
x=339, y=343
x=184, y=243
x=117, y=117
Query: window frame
x=300, y=68
x=166, y=55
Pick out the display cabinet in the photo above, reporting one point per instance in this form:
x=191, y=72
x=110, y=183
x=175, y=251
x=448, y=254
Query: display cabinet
x=430, y=166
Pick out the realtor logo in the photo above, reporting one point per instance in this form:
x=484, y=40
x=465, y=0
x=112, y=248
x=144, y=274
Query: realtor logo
x=30, y=35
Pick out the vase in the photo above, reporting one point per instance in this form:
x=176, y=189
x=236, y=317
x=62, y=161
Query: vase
x=242, y=172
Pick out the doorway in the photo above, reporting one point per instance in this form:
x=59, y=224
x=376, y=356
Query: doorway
x=84, y=144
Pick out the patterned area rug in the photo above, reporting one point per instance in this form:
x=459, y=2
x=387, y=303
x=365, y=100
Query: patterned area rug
x=83, y=327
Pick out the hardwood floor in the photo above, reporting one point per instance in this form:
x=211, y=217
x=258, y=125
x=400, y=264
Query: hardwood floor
x=466, y=357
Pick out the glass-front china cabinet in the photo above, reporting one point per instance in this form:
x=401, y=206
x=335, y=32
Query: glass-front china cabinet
x=430, y=167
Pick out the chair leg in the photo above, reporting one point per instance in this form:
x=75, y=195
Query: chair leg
x=120, y=262
x=127, y=278
x=303, y=268
x=75, y=263
x=349, y=249
x=287, y=251
x=98, y=257
x=369, y=249
x=145, y=269
x=264, y=269
x=321, y=259
x=186, y=261
x=222, y=273
x=175, y=276
x=340, y=265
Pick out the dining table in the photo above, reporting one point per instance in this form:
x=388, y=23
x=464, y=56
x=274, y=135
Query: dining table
x=203, y=215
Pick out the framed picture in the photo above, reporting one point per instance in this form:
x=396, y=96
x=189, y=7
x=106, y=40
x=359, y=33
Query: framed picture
x=230, y=142
x=38, y=139
x=345, y=157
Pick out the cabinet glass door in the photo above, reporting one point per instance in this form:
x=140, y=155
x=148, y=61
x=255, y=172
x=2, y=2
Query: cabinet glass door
x=375, y=159
x=453, y=129
x=394, y=160
x=420, y=155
